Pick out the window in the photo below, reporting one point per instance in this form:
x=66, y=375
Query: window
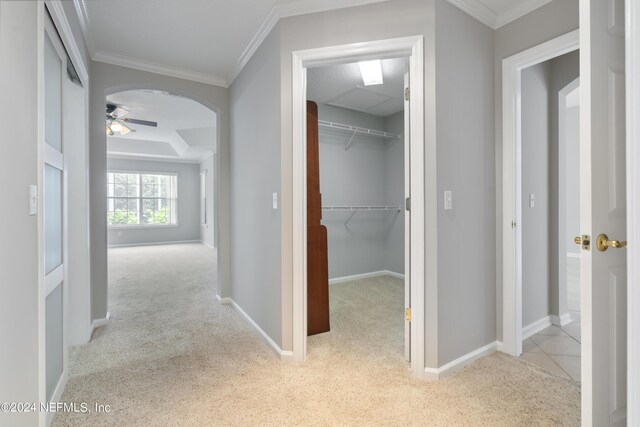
x=141, y=199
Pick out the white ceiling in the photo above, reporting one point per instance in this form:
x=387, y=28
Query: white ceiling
x=342, y=86
x=201, y=40
x=496, y=13
x=186, y=129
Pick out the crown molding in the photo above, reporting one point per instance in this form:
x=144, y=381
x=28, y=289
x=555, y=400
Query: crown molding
x=264, y=30
x=489, y=17
x=151, y=67
x=83, y=17
x=285, y=9
x=519, y=11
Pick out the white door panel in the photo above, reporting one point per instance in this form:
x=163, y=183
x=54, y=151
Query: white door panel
x=407, y=222
x=603, y=211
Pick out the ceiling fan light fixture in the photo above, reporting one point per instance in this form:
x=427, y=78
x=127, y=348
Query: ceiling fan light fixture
x=125, y=130
x=371, y=72
x=115, y=126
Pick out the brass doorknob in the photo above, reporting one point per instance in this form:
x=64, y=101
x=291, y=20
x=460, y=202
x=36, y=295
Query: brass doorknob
x=603, y=243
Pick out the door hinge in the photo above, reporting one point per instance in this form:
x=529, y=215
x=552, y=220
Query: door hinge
x=513, y=224
x=407, y=94
x=407, y=204
x=407, y=314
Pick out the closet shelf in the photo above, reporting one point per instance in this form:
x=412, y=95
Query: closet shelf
x=355, y=130
x=355, y=209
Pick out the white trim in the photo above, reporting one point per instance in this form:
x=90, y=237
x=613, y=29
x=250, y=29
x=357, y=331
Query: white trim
x=57, y=394
x=263, y=32
x=573, y=255
x=460, y=362
x=53, y=279
x=537, y=326
x=152, y=67
x=221, y=300
x=206, y=244
x=175, y=242
x=478, y=10
x=361, y=276
x=561, y=321
x=64, y=30
x=632, y=31
x=98, y=323
x=406, y=46
x=512, y=181
x=283, y=355
x=83, y=17
x=284, y=10
x=151, y=158
x=140, y=226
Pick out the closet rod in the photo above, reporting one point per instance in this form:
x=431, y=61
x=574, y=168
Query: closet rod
x=355, y=209
x=355, y=130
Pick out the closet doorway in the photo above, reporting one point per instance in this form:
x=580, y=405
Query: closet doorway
x=356, y=199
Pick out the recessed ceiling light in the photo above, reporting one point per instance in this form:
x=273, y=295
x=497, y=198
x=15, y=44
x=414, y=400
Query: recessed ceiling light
x=371, y=72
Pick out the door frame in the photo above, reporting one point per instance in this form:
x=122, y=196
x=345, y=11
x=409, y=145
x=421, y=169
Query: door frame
x=412, y=47
x=512, y=181
x=632, y=40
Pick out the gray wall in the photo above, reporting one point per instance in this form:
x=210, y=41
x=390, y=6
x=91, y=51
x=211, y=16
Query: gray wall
x=107, y=79
x=207, y=231
x=255, y=176
x=548, y=22
x=19, y=284
x=359, y=176
x=188, y=209
x=466, y=166
x=572, y=138
x=535, y=179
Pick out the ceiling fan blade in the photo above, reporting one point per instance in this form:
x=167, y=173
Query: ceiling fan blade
x=140, y=122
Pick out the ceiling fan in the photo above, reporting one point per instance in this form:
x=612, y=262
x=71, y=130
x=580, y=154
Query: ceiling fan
x=117, y=121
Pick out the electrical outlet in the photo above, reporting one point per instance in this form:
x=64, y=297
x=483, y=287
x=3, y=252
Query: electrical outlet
x=448, y=200
x=275, y=201
x=33, y=200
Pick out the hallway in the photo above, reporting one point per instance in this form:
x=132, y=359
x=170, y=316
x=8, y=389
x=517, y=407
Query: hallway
x=171, y=355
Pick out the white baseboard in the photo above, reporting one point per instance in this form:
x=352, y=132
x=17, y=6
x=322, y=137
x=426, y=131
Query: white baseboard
x=365, y=276
x=561, y=321
x=536, y=327
x=221, y=300
x=98, y=323
x=500, y=346
x=206, y=244
x=283, y=355
x=176, y=242
x=460, y=362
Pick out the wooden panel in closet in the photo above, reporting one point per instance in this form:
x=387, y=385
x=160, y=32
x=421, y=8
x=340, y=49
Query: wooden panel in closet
x=317, y=259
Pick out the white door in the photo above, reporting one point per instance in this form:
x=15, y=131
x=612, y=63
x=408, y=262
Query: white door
x=407, y=223
x=603, y=212
x=54, y=213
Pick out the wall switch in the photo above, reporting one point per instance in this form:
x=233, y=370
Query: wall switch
x=448, y=200
x=275, y=200
x=532, y=200
x=33, y=200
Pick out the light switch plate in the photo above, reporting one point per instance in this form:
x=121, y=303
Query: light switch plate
x=448, y=200
x=275, y=200
x=532, y=200
x=33, y=200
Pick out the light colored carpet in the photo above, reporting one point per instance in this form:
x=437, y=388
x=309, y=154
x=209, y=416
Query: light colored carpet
x=172, y=355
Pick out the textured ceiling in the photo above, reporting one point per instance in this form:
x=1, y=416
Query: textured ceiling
x=186, y=129
x=342, y=86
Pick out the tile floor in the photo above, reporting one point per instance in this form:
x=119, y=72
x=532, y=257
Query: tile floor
x=556, y=349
